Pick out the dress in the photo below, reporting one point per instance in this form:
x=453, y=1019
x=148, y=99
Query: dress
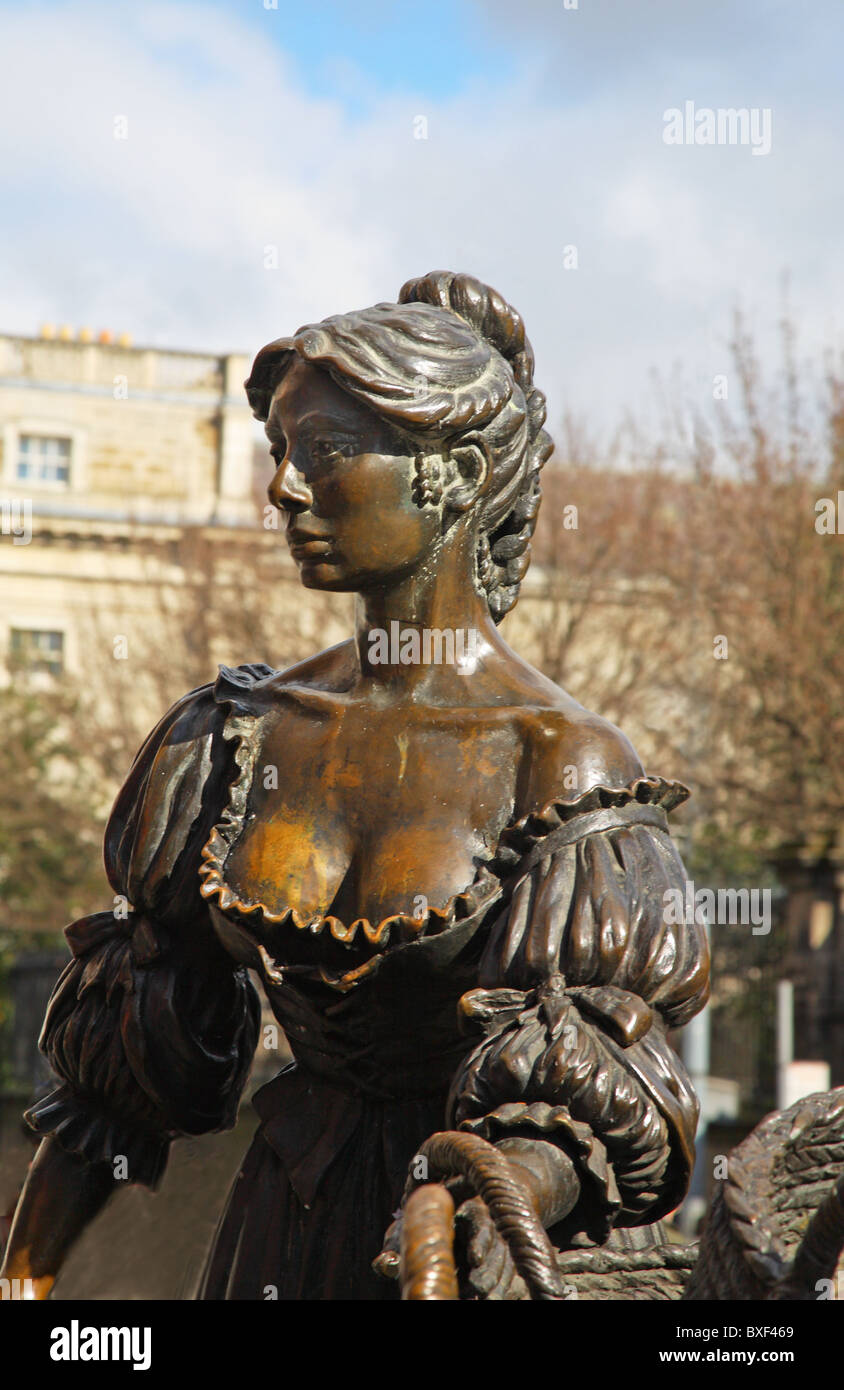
x=535, y=1004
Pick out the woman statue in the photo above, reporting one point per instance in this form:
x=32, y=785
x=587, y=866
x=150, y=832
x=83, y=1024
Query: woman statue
x=449, y=876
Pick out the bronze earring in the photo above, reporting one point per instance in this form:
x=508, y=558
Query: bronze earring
x=485, y=565
x=427, y=484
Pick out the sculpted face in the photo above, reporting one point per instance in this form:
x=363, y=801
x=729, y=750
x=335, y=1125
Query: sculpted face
x=344, y=481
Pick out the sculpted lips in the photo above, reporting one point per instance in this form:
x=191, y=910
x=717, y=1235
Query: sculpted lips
x=308, y=547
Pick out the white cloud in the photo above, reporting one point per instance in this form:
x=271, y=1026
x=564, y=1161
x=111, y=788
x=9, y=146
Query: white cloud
x=164, y=233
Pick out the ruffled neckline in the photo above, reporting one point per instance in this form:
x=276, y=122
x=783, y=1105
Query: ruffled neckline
x=523, y=835
x=513, y=843
x=397, y=928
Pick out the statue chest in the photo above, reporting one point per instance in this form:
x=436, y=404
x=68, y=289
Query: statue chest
x=366, y=814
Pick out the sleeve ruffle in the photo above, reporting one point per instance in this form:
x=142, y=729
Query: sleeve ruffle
x=152, y=1027
x=583, y=973
x=175, y=792
x=81, y=1127
x=150, y=1044
x=517, y=840
x=601, y=1200
x=586, y=885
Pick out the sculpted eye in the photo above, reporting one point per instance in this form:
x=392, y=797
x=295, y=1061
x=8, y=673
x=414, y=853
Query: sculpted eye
x=330, y=448
x=278, y=448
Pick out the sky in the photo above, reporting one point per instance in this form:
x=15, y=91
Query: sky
x=212, y=175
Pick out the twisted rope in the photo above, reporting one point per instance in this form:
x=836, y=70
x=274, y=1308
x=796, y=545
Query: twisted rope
x=454, y=1154
x=427, y=1259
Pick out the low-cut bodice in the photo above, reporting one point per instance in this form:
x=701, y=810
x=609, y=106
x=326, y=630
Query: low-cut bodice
x=535, y=1000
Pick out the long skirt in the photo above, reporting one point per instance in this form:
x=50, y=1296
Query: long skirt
x=321, y=1183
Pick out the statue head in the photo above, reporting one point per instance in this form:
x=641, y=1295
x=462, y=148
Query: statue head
x=394, y=424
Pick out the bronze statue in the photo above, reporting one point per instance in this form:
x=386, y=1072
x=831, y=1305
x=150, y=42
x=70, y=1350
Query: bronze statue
x=449, y=876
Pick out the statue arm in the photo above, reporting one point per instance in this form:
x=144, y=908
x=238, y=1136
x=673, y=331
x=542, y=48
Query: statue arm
x=149, y=1047
x=62, y=1195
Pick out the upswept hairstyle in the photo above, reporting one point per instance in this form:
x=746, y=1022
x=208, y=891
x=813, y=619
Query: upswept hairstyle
x=451, y=364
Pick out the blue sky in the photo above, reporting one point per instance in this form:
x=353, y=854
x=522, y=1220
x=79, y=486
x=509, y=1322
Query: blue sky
x=296, y=128
x=435, y=48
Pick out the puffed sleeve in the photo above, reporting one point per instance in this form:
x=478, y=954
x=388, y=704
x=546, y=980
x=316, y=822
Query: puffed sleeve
x=586, y=969
x=152, y=1027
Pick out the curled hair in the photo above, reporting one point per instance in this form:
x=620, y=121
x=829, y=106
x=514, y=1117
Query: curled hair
x=451, y=363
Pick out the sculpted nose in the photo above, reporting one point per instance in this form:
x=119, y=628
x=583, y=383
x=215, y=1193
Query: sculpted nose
x=288, y=490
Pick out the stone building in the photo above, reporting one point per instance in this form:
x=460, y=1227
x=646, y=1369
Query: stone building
x=104, y=447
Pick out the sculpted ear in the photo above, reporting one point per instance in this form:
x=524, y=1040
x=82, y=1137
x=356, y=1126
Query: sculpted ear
x=470, y=467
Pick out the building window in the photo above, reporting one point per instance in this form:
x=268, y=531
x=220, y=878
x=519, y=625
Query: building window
x=43, y=458
x=38, y=650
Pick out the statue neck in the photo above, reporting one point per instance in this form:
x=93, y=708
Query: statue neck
x=431, y=626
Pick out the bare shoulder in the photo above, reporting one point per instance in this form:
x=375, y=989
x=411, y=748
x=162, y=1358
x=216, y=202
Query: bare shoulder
x=568, y=750
x=332, y=671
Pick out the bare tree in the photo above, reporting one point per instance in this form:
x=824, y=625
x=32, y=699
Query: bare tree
x=698, y=602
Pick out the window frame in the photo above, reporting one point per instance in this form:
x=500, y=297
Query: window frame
x=37, y=426
x=40, y=665
x=61, y=460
